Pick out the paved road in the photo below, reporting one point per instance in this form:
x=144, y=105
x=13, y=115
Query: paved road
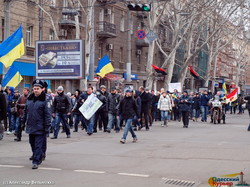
x=193, y=155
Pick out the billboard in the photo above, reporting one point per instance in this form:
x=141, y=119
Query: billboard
x=59, y=59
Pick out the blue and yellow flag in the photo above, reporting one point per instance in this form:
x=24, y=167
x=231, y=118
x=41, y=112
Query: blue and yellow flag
x=12, y=48
x=104, y=67
x=224, y=87
x=12, y=77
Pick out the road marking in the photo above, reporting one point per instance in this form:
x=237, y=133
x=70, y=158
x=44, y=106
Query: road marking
x=90, y=171
x=133, y=175
x=11, y=166
x=52, y=169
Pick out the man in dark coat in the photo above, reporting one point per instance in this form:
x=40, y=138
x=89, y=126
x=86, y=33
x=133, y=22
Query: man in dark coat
x=185, y=108
x=145, y=104
x=101, y=113
x=37, y=115
x=3, y=111
x=128, y=109
x=113, y=102
x=61, y=110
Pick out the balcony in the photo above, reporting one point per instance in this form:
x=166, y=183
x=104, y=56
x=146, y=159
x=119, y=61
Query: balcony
x=68, y=22
x=106, y=30
x=142, y=43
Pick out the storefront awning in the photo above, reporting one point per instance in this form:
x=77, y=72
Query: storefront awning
x=25, y=69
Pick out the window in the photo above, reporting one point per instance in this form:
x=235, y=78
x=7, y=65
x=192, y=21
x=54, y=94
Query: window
x=121, y=60
x=51, y=34
x=53, y=3
x=65, y=3
x=112, y=17
x=122, y=24
x=29, y=35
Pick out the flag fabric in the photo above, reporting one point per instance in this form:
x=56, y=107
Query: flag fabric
x=224, y=87
x=159, y=70
x=193, y=73
x=104, y=67
x=232, y=96
x=12, y=77
x=12, y=48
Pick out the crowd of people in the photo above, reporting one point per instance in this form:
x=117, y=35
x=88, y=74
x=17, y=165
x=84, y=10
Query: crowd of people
x=42, y=112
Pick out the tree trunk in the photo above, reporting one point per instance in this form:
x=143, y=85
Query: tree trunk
x=168, y=77
x=149, y=69
x=182, y=76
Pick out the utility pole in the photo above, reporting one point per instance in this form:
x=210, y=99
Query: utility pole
x=6, y=26
x=92, y=47
x=129, y=47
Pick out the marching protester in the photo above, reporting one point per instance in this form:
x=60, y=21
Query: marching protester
x=20, y=105
x=128, y=109
x=3, y=111
x=136, y=122
x=113, y=102
x=37, y=123
x=165, y=106
x=204, y=105
x=90, y=122
x=61, y=111
x=101, y=112
x=185, y=107
x=145, y=104
x=196, y=107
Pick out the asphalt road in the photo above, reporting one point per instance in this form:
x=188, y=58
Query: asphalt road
x=161, y=157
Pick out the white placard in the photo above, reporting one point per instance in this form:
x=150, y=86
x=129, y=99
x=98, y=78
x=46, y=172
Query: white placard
x=90, y=106
x=173, y=86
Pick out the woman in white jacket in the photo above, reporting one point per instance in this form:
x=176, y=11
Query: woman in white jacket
x=165, y=106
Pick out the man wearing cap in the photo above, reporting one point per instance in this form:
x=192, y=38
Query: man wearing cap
x=37, y=116
x=185, y=108
x=61, y=111
x=128, y=109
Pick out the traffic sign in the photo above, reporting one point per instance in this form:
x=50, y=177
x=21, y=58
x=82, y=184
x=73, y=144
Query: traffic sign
x=151, y=36
x=141, y=34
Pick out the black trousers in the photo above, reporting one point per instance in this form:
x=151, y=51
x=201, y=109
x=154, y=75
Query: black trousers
x=185, y=118
x=144, y=113
x=103, y=116
x=37, y=143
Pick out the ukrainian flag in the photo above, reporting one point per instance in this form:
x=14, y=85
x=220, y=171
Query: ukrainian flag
x=12, y=48
x=104, y=67
x=224, y=87
x=12, y=77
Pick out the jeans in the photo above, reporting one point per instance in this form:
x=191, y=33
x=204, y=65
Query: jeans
x=111, y=119
x=204, y=111
x=14, y=122
x=90, y=124
x=136, y=122
x=18, y=128
x=77, y=119
x=64, y=119
x=164, y=115
x=128, y=127
x=196, y=113
x=102, y=116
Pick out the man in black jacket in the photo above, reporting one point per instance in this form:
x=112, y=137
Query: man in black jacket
x=37, y=115
x=145, y=104
x=128, y=109
x=113, y=102
x=61, y=111
x=101, y=112
x=3, y=111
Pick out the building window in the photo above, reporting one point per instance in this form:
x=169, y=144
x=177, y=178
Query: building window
x=29, y=35
x=53, y=3
x=65, y=3
x=121, y=55
x=122, y=24
x=51, y=34
x=112, y=17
